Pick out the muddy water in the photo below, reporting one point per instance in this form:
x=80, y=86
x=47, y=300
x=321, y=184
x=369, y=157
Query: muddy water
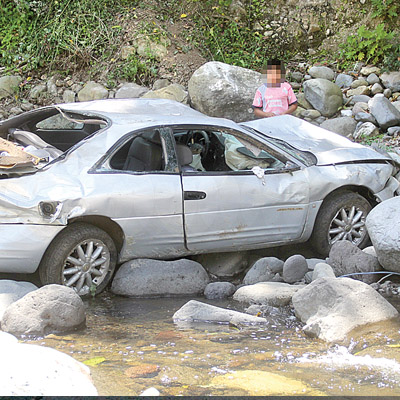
x=132, y=344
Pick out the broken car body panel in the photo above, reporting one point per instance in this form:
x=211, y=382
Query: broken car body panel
x=168, y=212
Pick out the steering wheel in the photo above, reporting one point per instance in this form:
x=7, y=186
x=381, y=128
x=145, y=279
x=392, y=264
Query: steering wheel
x=202, y=138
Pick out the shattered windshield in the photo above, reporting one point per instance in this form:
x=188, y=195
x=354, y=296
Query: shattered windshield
x=305, y=157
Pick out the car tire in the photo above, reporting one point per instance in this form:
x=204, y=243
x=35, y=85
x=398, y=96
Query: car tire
x=341, y=217
x=82, y=256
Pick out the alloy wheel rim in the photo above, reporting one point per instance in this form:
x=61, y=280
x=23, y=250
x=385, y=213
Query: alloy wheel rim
x=348, y=224
x=86, y=266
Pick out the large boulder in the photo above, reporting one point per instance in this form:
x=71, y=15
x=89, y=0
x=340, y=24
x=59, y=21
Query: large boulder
x=344, y=126
x=31, y=370
x=383, y=111
x=384, y=230
x=263, y=270
x=172, y=92
x=346, y=258
x=9, y=85
x=276, y=294
x=50, y=309
x=325, y=96
x=222, y=90
x=196, y=311
x=332, y=307
x=11, y=291
x=146, y=278
x=391, y=80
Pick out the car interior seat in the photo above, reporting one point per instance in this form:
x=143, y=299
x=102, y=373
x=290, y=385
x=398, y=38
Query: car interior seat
x=185, y=157
x=144, y=154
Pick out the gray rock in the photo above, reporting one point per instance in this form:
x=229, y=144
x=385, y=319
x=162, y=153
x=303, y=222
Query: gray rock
x=307, y=77
x=160, y=84
x=368, y=70
x=331, y=308
x=33, y=370
x=360, y=98
x=222, y=90
x=294, y=269
x=344, y=80
x=360, y=107
x=387, y=93
x=384, y=233
x=359, y=91
x=396, y=104
x=320, y=120
x=172, y=92
x=69, y=96
x=365, y=117
x=92, y=91
x=295, y=85
x=150, y=392
x=224, y=264
x=312, y=262
x=308, y=277
x=15, y=110
x=130, y=91
x=27, y=106
x=371, y=251
x=9, y=85
x=11, y=291
x=276, y=294
x=52, y=87
x=376, y=88
x=325, y=96
x=263, y=270
x=372, y=79
x=358, y=83
x=50, y=309
x=219, y=290
x=311, y=114
x=346, y=258
x=297, y=76
x=346, y=113
x=323, y=270
x=145, y=277
x=302, y=102
x=344, y=126
x=365, y=129
x=391, y=80
x=38, y=91
x=384, y=112
x=394, y=130
x=196, y=311
x=322, y=72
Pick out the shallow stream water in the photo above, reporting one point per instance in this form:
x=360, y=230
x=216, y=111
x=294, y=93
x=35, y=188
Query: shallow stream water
x=132, y=344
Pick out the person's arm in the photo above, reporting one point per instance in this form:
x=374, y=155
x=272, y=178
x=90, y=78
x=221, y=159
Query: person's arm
x=258, y=112
x=292, y=108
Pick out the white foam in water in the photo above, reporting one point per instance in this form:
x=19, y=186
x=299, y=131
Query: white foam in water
x=341, y=357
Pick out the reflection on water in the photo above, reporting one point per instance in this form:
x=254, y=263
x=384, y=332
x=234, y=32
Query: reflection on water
x=132, y=344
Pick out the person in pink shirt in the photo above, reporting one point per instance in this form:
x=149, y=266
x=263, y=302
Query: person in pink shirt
x=276, y=97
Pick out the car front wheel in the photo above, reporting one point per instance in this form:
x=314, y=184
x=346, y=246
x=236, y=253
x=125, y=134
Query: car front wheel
x=341, y=217
x=82, y=257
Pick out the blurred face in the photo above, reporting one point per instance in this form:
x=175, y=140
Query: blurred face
x=274, y=76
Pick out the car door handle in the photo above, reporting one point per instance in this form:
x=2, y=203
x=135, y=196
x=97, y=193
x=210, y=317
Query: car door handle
x=192, y=195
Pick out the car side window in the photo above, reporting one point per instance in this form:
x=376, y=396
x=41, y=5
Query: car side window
x=143, y=152
x=221, y=150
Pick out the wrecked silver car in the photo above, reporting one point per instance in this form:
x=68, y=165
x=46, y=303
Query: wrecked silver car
x=86, y=186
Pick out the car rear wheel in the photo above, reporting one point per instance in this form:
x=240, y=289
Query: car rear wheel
x=82, y=257
x=341, y=217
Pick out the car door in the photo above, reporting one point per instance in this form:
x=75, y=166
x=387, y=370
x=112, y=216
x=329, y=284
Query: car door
x=236, y=209
x=145, y=194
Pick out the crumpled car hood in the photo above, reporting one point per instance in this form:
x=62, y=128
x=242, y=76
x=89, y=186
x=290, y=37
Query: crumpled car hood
x=328, y=147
